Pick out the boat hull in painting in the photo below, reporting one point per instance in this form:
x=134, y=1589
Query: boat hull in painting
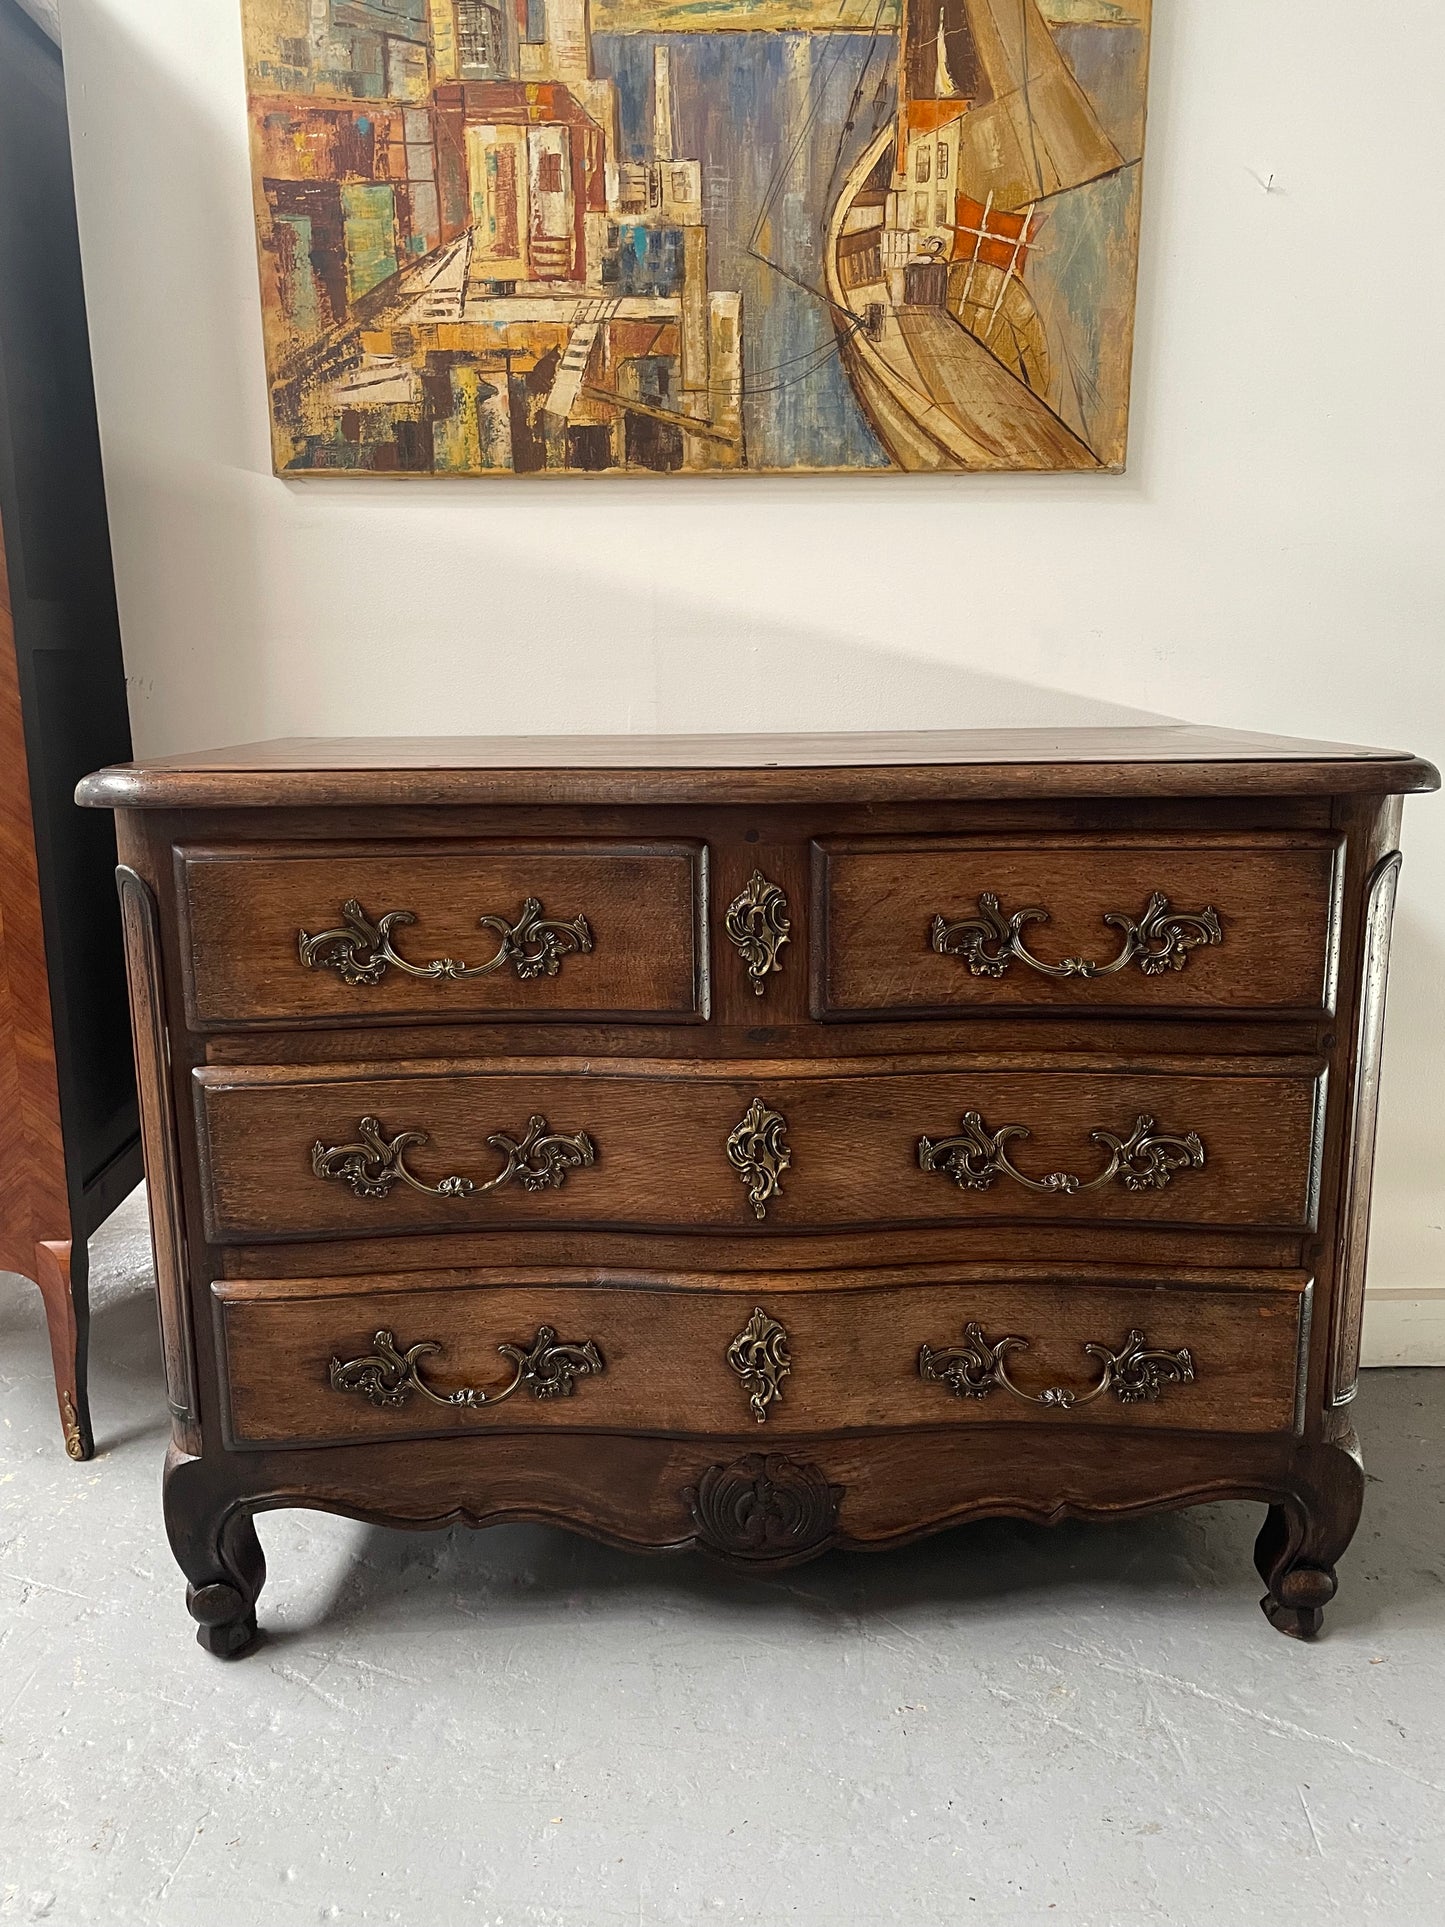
x=936, y=397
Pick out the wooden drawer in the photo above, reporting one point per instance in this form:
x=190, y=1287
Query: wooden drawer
x=338, y=933
x=337, y=1360
x=1204, y=924
x=326, y=1151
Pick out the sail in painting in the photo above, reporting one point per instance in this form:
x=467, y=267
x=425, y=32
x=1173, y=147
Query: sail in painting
x=957, y=361
x=629, y=236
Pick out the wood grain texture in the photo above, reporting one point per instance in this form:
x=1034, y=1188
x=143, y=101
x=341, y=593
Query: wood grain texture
x=853, y=1348
x=67, y=1321
x=661, y=1133
x=141, y=924
x=628, y=1491
x=68, y=1131
x=35, y=1224
x=244, y=911
x=875, y=902
x=653, y=1251
x=31, y=1141
x=1150, y=761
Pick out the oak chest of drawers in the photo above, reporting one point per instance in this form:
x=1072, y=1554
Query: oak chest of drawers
x=760, y=1144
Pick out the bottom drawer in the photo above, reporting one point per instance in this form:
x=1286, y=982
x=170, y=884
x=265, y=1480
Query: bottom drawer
x=334, y=1361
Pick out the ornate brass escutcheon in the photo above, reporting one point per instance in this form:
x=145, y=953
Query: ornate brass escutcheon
x=387, y=1376
x=757, y=924
x=980, y=1365
x=360, y=949
x=1159, y=940
x=538, y=1161
x=758, y=1151
x=759, y=1356
x=1146, y=1160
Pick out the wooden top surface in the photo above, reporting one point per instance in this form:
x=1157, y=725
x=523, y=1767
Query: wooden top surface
x=1157, y=760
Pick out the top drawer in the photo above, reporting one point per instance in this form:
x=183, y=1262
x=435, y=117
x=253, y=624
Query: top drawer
x=331, y=933
x=1201, y=924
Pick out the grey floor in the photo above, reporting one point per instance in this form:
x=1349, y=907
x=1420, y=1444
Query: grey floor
x=1090, y=1726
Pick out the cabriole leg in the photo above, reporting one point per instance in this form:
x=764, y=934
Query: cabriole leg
x=1305, y=1535
x=215, y=1544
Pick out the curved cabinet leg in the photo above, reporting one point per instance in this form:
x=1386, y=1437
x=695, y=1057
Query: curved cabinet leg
x=64, y=1286
x=1304, y=1535
x=216, y=1547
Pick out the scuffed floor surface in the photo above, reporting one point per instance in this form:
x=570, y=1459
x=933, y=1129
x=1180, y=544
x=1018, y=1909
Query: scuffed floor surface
x=1084, y=1727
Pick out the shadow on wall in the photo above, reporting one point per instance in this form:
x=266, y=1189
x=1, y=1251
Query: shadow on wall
x=541, y=649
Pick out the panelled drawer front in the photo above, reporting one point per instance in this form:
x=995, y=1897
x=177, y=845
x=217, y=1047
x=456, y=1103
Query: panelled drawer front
x=1206, y=925
x=486, y=929
x=344, y=1360
x=313, y=1152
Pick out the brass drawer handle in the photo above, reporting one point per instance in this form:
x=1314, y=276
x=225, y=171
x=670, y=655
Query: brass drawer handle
x=1160, y=940
x=756, y=923
x=360, y=950
x=759, y=1152
x=388, y=1377
x=974, y=1369
x=759, y=1355
x=539, y=1161
x=1146, y=1160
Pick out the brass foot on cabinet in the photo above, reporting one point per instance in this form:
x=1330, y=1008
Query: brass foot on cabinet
x=61, y=1277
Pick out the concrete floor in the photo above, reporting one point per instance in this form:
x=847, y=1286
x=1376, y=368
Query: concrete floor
x=1090, y=1726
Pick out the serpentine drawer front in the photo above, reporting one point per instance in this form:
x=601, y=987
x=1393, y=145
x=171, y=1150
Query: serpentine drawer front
x=311, y=1153
x=356, y=933
x=344, y=1359
x=1079, y=924
x=760, y=1144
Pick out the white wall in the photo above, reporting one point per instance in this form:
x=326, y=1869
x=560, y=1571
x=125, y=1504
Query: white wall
x=1273, y=558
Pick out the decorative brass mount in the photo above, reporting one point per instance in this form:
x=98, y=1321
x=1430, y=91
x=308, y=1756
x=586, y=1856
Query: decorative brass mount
x=758, y=1151
x=360, y=950
x=757, y=924
x=539, y=1161
x=979, y=1366
x=759, y=1356
x=1160, y=940
x=388, y=1376
x=1146, y=1160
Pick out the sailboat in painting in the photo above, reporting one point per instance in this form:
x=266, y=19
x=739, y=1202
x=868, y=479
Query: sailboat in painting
x=931, y=242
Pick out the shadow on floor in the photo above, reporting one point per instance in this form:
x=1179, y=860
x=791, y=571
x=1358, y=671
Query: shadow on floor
x=1396, y=1565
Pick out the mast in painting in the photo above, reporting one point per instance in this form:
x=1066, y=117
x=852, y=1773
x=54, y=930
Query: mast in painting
x=931, y=238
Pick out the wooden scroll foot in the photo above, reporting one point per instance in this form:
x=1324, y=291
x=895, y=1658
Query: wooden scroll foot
x=216, y=1547
x=63, y=1287
x=1302, y=1538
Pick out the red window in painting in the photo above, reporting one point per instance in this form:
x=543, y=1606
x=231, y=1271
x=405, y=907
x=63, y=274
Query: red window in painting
x=989, y=235
x=549, y=173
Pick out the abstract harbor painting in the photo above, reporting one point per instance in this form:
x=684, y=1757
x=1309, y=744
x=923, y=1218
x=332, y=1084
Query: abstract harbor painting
x=504, y=237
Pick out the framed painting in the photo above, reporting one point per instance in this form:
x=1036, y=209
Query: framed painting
x=508, y=237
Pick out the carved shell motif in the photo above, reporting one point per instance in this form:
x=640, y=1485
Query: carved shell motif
x=764, y=1508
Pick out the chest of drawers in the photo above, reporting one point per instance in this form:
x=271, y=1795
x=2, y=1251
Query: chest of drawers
x=760, y=1144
